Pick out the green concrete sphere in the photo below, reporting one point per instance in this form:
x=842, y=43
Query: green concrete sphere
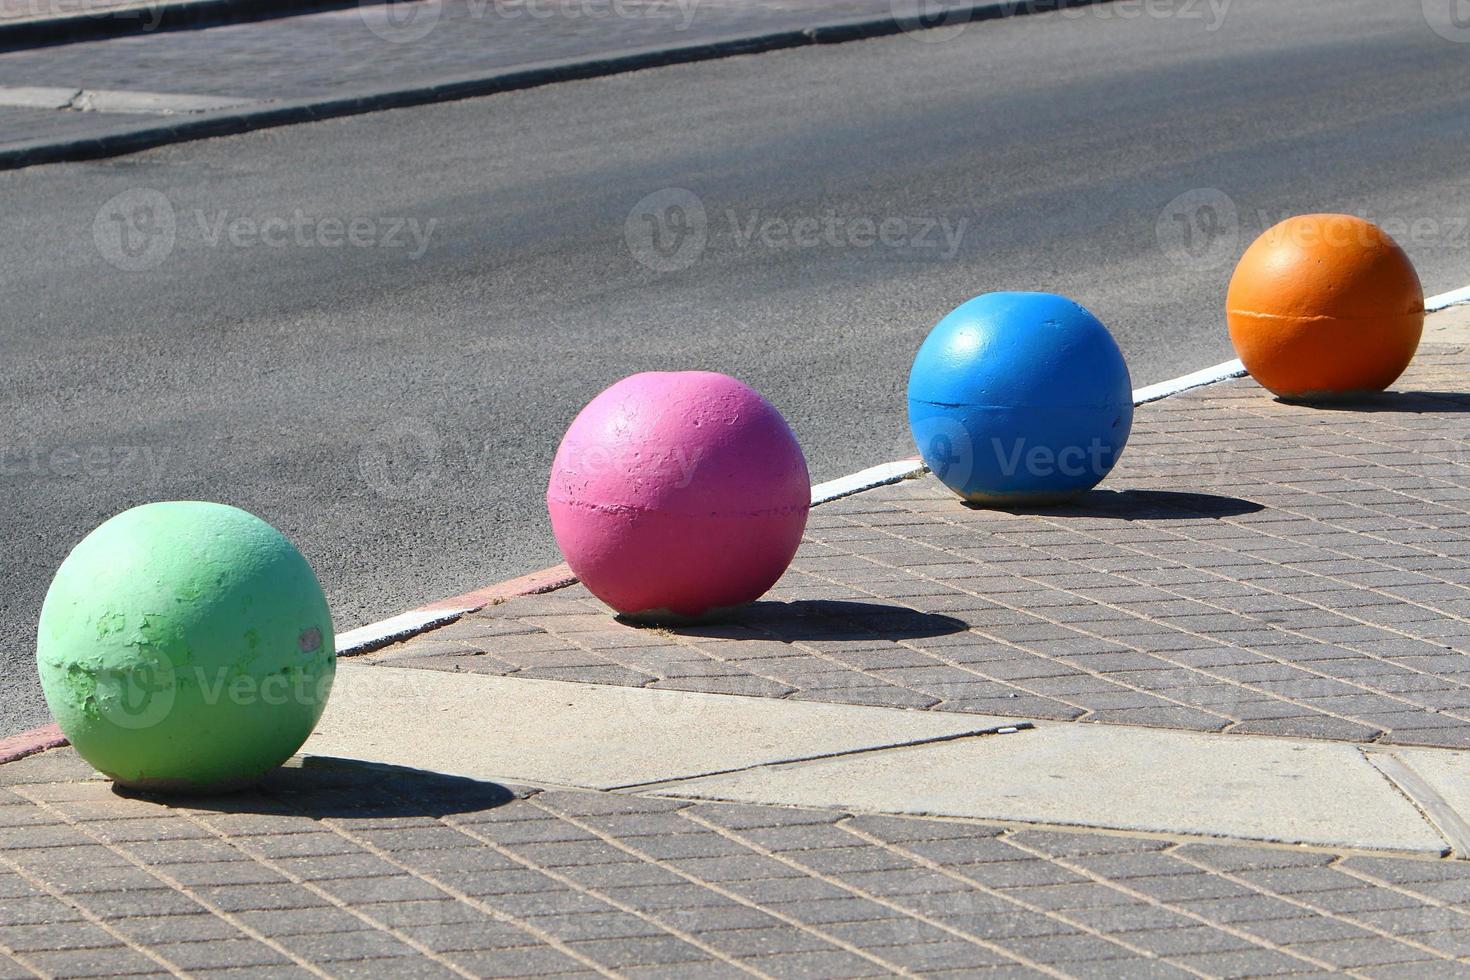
x=186, y=647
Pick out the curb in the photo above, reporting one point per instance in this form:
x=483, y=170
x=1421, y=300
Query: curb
x=1455, y=297
x=288, y=113
x=1205, y=376
x=371, y=637
x=882, y=475
x=151, y=18
x=29, y=743
x=1234, y=369
x=365, y=639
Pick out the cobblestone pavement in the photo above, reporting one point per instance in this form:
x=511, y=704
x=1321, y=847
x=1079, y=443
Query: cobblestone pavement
x=358, y=871
x=1252, y=567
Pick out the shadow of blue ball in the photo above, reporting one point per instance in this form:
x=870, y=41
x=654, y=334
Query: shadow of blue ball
x=1020, y=398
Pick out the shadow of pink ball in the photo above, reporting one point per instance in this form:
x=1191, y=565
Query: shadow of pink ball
x=676, y=496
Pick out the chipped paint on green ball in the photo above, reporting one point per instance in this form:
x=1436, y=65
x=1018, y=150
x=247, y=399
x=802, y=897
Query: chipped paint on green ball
x=186, y=647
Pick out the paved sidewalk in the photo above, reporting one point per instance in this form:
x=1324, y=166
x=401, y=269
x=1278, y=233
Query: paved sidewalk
x=356, y=871
x=1210, y=722
x=1251, y=568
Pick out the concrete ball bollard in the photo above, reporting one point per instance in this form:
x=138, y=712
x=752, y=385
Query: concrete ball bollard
x=185, y=647
x=1325, y=307
x=678, y=496
x=1020, y=399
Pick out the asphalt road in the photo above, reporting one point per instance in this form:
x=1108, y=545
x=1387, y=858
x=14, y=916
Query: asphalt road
x=372, y=331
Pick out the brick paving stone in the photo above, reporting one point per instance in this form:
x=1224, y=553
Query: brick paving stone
x=1306, y=575
x=198, y=927
x=1352, y=902
x=1324, y=593
x=524, y=962
x=55, y=936
x=220, y=954
x=1245, y=963
x=114, y=962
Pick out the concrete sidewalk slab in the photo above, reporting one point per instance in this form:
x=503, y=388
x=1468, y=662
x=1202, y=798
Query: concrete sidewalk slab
x=1445, y=791
x=550, y=732
x=1261, y=789
x=881, y=760
x=1451, y=326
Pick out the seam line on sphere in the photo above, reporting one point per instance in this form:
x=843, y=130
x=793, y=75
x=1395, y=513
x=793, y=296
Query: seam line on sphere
x=1011, y=408
x=632, y=509
x=1324, y=317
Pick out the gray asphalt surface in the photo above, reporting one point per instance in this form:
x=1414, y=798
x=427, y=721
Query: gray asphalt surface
x=392, y=403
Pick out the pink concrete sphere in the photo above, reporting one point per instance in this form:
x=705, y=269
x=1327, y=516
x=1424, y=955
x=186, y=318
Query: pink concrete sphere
x=676, y=496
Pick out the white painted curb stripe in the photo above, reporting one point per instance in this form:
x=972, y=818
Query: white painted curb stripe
x=399, y=627
x=1444, y=301
x=868, y=479
x=1207, y=376
x=416, y=621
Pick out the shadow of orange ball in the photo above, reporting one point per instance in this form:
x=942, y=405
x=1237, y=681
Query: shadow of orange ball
x=1324, y=307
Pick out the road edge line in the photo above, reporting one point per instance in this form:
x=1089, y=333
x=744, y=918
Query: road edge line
x=405, y=625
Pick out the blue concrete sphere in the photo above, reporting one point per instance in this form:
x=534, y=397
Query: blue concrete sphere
x=1020, y=398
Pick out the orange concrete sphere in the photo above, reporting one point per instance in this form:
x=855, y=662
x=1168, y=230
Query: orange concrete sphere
x=1324, y=307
